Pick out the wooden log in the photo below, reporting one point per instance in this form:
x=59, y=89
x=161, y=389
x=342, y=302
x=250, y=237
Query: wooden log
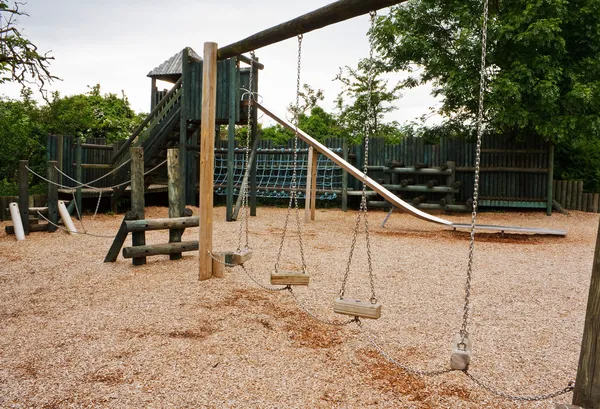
x=254, y=136
x=550, y=178
x=584, y=201
x=289, y=278
x=207, y=160
x=309, y=185
x=24, y=195
x=357, y=308
x=233, y=90
x=313, y=179
x=60, y=150
x=333, y=13
x=590, y=202
x=421, y=165
x=596, y=202
x=469, y=203
x=52, y=209
x=456, y=184
x=137, y=198
x=394, y=164
x=587, y=384
x=79, y=177
x=32, y=228
x=175, y=205
x=162, y=224
x=579, y=194
x=115, y=248
x=158, y=249
x=419, y=199
x=450, y=181
x=96, y=146
x=569, y=184
x=426, y=171
x=421, y=188
x=432, y=182
x=406, y=182
x=106, y=166
x=345, y=178
x=218, y=267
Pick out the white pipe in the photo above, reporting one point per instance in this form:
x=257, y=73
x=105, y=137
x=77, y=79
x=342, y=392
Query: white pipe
x=66, y=218
x=17, y=222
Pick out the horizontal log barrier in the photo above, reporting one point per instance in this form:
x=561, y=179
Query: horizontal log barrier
x=419, y=171
x=428, y=206
x=161, y=224
x=32, y=228
x=502, y=169
x=95, y=146
x=569, y=194
x=94, y=165
x=421, y=188
x=159, y=249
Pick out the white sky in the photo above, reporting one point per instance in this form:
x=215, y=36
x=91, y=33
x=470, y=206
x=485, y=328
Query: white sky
x=117, y=42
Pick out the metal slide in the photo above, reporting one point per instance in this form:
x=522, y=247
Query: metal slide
x=392, y=198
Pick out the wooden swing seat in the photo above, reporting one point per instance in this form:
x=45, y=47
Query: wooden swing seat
x=357, y=308
x=289, y=278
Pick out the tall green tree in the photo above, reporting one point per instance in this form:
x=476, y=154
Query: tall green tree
x=543, y=62
x=20, y=59
x=352, y=102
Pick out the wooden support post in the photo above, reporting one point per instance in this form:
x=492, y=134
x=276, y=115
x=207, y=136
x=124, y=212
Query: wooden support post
x=450, y=181
x=309, y=191
x=175, y=207
x=183, y=132
x=52, y=175
x=60, y=149
x=550, y=192
x=313, y=179
x=207, y=158
x=78, y=174
x=233, y=96
x=587, y=385
x=24, y=194
x=120, y=237
x=153, y=91
x=254, y=166
x=137, y=197
x=345, y=178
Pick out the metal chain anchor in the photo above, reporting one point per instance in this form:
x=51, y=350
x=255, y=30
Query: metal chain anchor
x=244, y=209
x=362, y=212
x=294, y=194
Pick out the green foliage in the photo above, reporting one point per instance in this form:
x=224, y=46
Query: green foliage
x=355, y=97
x=543, y=61
x=578, y=160
x=20, y=60
x=91, y=115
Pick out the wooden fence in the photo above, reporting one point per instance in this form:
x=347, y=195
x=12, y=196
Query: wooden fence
x=34, y=201
x=570, y=195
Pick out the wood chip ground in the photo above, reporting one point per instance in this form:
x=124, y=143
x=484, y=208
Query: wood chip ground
x=78, y=333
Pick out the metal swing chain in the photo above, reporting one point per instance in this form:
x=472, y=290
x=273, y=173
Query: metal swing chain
x=244, y=221
x=362, y=212
x=467, y=301
x=294, y=195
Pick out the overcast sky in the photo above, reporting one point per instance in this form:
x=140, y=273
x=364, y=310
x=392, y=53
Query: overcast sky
x=117, y=42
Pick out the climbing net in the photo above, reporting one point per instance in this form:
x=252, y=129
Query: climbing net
x=274, y=174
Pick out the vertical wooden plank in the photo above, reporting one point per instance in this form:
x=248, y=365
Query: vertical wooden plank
x=309, y=186
x=60, y=155
x=345, y=178
x=550, y=176
x=568, y=194
x=587, y=384
x=78, y=174
x=175, y=207
x=52, y=175
x=584, y=201
x=24, y=194
x=579, y=194
x=207, y=158
x=314, y=161
x=137, y=198
x=563, y=193
x=590, y=202
x=231, y=136
x=186, y=102
x=254, y=166
x=595, y=202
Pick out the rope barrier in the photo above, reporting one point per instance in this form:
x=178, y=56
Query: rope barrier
x=74, y=232
x=88, y=184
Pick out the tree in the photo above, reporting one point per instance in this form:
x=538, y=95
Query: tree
x=91, y=115
x=20, y=60
x=543, y=62
x=354, y=114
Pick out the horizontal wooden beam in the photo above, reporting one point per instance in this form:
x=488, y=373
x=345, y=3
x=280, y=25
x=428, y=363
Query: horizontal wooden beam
x=162, y=224
x=158, y=249
x=502, y=169
x=250, y=61
x=332, y=13
x=95, y=165
x=96, y=146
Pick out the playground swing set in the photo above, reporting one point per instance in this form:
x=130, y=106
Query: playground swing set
x=587, y=388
